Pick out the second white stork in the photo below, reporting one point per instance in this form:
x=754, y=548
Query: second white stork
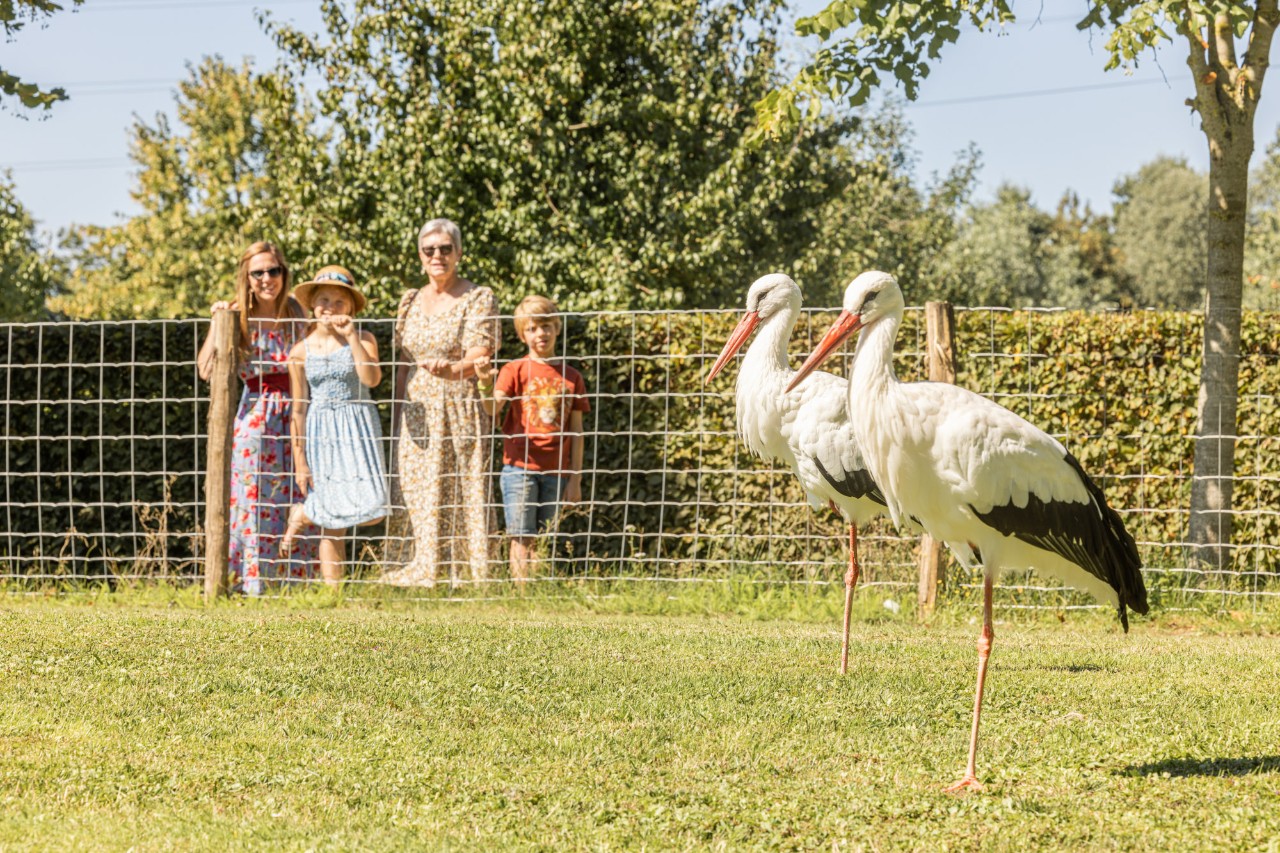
x=806, y=429
x=975, y=475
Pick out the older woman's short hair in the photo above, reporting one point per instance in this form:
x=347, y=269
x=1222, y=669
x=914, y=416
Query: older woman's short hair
x=443, y=226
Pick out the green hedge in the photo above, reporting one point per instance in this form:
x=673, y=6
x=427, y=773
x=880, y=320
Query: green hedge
x=670, y=492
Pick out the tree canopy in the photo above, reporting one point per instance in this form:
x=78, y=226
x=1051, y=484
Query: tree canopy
x=1009, y=252
x=596, y=155
x=14, y=16
x=1159, y=230
x=28, y=273
x=223, y=178
x=1262, y=249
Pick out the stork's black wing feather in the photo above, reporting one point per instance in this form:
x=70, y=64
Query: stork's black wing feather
x=1091, y=535
x=853, y=484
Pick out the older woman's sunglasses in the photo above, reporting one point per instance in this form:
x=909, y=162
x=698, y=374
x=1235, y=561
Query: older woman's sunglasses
x=259, y=275
x=445, y=250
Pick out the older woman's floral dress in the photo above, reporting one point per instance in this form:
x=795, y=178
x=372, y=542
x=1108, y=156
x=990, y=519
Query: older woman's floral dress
x=442, y=492
x=262, y=482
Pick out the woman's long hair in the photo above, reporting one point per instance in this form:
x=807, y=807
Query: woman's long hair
x=286, y=305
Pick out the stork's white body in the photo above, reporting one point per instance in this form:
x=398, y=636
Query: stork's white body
x=940, y=452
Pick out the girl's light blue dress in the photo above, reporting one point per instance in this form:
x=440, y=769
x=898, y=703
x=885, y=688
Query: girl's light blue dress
x=344, y=444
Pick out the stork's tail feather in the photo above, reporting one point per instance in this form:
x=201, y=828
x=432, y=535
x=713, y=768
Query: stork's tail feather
x=1122, y=558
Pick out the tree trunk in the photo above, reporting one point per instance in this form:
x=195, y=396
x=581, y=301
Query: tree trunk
x=1211, y=484
x=1226, y=99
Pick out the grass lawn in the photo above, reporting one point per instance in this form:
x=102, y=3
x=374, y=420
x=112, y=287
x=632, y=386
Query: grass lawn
x=490, y=725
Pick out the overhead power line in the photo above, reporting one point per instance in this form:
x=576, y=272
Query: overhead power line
x=70, y=164
x=140, y=5
x=1035, y=93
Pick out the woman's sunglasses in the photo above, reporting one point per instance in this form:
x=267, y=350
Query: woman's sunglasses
x=259, y=275
x=445, y=250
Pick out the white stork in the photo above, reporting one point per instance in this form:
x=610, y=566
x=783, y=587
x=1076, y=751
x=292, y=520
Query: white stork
x=806, y=429
x=975, y=475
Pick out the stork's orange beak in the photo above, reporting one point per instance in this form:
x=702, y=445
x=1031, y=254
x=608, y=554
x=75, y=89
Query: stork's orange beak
x=844, y=326
x=741, y=332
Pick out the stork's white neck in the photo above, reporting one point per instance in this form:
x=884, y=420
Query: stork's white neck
x=873, y=405
x=761, y=378
x=873, y=374
x=766, y=358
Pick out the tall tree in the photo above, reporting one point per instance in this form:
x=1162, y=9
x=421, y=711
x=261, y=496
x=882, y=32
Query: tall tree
x=1008, y=253
x=14, y=15
x=881, y=219
x=1159, y=230
x=600, y=161
x=28, y=273
x=594, y=152
x=1228, y=49
x=1091, y=239
x=235, y=167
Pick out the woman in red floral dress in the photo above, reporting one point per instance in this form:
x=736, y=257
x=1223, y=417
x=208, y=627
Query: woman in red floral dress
x=262, y=482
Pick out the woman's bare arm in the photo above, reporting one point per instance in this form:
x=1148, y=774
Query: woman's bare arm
x=298, y=416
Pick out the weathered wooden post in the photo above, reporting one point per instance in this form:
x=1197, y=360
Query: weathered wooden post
x=217, y=479
x=940, y=357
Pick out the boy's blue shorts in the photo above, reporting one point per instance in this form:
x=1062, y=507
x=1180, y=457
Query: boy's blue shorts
x=529, y=499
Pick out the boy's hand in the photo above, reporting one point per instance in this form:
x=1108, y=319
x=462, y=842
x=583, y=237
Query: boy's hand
x=484, y=370
x=572, y=491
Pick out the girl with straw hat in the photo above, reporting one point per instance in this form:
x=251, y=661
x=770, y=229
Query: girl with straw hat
x=337, y=439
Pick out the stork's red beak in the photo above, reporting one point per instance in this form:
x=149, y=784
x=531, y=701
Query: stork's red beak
x=844, y=326
x=741, y=332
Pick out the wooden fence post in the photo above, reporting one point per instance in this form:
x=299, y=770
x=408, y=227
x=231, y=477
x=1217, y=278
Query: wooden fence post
x=217, y=480
x=941, y=361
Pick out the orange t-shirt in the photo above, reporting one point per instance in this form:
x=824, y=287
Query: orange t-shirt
x=542, y=396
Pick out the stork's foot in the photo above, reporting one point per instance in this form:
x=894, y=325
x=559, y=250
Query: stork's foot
x=968, y=783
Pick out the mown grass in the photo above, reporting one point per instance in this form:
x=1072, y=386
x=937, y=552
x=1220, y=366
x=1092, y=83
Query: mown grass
x=555, y=721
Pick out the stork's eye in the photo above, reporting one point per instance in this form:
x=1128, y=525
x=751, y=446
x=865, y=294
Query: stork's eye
x=867, y=300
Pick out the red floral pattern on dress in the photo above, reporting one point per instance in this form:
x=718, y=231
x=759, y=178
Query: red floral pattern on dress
x=262, y=482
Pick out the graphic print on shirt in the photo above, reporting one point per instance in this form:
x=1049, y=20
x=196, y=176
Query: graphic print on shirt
x=543, y=406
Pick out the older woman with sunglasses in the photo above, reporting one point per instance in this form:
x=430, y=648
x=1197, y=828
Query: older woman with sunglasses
x=442, y=449
x=262, y=482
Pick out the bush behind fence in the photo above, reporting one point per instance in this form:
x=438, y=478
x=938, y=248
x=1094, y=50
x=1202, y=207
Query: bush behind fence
x=105, y=427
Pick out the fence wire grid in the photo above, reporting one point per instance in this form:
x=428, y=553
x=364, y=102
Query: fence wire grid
x=105, y=429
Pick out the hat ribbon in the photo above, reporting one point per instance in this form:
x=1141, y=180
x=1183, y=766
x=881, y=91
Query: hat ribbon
x=335, y=276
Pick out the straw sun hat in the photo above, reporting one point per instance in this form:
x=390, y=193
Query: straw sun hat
x=330, y=276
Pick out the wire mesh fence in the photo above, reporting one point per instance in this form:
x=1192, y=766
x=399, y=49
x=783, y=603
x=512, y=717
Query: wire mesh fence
x=106, y=425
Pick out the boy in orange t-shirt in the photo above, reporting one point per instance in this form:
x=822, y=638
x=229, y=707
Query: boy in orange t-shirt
x=542, y=432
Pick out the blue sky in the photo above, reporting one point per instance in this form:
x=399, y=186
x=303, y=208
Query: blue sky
x=1035, y=101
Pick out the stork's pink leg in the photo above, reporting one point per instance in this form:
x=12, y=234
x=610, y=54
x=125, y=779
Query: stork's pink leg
x=970, y=779
x=850, y=581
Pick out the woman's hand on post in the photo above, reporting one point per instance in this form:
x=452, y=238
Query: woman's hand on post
x=221, y=305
